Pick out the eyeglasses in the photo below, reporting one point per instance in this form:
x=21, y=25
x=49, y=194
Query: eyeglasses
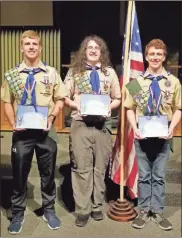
x=93, y=48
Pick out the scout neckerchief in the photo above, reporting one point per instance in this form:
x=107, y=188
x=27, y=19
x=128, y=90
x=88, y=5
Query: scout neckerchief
x=29, y=88
x=94, y=78
x=155, y=93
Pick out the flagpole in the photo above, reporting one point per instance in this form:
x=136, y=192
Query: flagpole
x=125, y=75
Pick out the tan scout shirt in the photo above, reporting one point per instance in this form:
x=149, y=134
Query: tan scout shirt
x=109, y=84
x=49, y=87
x=171, y=94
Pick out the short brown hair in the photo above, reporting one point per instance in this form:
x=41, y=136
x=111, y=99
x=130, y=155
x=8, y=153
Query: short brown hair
x=158, y=44
x=30, y=34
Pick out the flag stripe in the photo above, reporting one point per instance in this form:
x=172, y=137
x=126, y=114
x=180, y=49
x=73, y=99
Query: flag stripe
x=136, y=66
x=136, y=56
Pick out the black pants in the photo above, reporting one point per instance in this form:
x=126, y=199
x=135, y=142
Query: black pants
x=24, y=143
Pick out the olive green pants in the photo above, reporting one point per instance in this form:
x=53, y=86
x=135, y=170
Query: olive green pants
x=90, y=148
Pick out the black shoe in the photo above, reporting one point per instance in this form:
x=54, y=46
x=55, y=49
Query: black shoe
x=97, y=216
x=82, y=220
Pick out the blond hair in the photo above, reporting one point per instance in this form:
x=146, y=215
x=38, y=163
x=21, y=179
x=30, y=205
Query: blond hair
x=30, y=34
x=158, y=44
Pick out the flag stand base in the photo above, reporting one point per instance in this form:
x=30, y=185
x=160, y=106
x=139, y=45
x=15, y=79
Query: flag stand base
x=122, y=211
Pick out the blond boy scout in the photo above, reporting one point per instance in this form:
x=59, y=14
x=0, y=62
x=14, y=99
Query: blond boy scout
x=152, y=153
x=90, y=138
x=47, y=90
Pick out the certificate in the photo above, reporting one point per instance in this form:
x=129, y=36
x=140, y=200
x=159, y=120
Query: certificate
x=28, y=118
x=153, y=126
x=95, y=105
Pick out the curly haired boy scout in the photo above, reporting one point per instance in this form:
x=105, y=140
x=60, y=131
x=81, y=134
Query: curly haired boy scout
x=90, y=138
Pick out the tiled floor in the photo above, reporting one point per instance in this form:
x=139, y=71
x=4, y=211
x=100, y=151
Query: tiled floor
x=34, y=226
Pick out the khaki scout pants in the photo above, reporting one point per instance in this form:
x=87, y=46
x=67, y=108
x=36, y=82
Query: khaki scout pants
x=90, y=148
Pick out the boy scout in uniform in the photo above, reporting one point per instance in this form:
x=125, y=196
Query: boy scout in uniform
x=155, y=91
x=46, y=89
x=90, y=138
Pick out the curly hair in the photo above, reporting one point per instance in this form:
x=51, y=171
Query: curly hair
x=78, y=58
x=158, y=44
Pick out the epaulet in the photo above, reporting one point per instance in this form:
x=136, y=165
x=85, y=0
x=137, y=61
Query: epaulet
x=168, y=73
x=142, y=74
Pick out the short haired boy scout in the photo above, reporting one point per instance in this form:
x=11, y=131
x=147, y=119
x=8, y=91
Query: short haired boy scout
x=152, y=153
x=48, y=91
x=90, y=138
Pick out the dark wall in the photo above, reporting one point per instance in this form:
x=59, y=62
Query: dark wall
x=79, y=19
x=158, y=19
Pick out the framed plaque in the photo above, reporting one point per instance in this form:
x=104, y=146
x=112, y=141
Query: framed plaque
x=153, y=126
x=28, y=118
x=94, y=104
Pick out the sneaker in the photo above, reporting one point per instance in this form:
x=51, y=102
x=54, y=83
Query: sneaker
x=15, y=226
x=140, y=221
x=82, y=220
x=97, y=216
x=52, y=220
x=161, y=221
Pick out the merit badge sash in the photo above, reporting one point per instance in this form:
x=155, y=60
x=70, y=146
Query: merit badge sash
x=83, y=84
x=139, y=96
x=14, y=80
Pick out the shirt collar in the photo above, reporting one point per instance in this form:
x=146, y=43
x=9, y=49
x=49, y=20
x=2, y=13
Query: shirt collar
x=97, y=65
x=23, y=66
x=164, y=73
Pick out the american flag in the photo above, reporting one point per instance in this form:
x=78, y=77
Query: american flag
x=135, y=68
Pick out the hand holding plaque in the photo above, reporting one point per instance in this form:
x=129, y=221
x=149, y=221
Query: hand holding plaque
x=95, y=105
x=28, y=118
x=153, y=126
